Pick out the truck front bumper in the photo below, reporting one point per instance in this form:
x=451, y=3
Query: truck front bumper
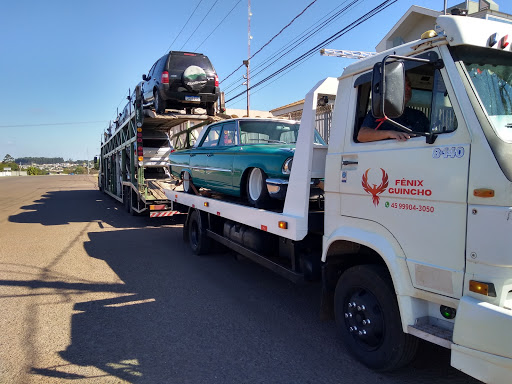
x=482, y=341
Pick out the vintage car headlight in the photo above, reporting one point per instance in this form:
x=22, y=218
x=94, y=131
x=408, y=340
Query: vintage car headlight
x=287, y=166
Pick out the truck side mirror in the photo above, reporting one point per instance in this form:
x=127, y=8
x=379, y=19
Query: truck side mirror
x=388, y=89
x=144, y=77
x=95, y=159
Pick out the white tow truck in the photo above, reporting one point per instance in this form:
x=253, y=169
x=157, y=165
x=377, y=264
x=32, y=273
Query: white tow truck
x=413, y=240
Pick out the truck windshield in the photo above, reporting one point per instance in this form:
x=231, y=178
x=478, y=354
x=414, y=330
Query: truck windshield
x=491, y=74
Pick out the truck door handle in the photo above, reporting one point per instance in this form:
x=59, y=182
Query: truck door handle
x=349, y=162
x=209, y=155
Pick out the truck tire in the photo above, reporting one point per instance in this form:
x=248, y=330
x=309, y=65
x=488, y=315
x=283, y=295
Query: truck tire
x=158, y=102
x=368, y=319
x=210, y=109
x=197, y=238
x=126, y=199
x=257, y=193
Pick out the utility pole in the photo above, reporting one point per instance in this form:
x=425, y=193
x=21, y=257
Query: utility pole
x=247, y=62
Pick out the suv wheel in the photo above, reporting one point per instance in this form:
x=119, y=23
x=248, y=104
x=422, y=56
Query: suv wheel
x=158, y=102
x=210, y=109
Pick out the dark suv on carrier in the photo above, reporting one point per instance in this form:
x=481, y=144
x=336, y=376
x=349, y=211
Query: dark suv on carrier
x=181, y=80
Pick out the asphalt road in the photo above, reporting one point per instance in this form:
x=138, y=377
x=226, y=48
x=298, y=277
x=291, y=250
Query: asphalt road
x=90, y=294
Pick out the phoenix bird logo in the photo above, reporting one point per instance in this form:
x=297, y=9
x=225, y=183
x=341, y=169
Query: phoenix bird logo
x=375, y=191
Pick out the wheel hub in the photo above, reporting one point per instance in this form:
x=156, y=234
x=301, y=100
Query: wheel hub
x=364, y=319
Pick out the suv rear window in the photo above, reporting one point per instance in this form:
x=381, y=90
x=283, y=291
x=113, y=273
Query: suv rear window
x=181, y=61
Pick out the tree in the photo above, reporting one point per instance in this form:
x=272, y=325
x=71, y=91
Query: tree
x=8, y=159
x=31, y=171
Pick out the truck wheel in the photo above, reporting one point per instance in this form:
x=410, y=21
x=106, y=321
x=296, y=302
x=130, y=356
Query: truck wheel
x=368, y=319
x=210, y=109
x=126, y=199
x=257, y=192
x=158, y=102
x=197, y=238
x=187, y=182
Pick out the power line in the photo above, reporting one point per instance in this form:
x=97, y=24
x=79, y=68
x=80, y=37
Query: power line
x=192, y=34
x=277, y=34
x=329, y=40
x=184, y=25
x=225, y=17
x=298, y=41
x=354, y=2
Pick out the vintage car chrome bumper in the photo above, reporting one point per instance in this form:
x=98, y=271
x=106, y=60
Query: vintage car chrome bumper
x=277, y=187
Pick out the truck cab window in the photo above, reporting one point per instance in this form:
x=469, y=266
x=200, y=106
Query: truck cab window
x=428, y=107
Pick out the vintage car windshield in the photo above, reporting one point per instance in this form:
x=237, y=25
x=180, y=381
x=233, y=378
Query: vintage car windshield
x=492, y=81
x=278, y=132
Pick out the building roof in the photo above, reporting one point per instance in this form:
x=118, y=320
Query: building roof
x=300, y=102
x=406, y=24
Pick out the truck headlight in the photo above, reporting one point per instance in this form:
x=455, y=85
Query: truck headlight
x=287, y=166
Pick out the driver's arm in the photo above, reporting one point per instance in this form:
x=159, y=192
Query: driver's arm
x=366, y=134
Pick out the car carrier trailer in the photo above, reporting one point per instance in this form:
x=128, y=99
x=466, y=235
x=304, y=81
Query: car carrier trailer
x=133, y=164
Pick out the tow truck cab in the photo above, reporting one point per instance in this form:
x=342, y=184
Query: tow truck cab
x=435, y=211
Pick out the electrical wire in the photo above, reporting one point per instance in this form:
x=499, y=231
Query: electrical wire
x=225, y=17
x=277, y=34
x=329, y=40
x=184, y=25
x=295, y=43
x=201, y=22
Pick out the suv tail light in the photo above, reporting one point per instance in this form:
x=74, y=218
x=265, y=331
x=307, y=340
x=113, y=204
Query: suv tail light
x=216, y=80
x=165, y=77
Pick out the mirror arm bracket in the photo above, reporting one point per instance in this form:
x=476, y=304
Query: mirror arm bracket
x=430, y=137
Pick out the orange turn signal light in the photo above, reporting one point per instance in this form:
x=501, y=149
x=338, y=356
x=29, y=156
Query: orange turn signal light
x=486, y=289
x=139, y=129
x=141, y=158
x=206, y=204
x=283, y=225
x=483, y=192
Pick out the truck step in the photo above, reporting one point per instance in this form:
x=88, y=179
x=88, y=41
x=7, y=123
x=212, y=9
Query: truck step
x=432, y=333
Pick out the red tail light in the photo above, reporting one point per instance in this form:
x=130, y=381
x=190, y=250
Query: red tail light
x=165, y=77
x=216, y=80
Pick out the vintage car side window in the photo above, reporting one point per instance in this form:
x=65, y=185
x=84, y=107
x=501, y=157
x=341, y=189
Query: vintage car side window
x=212, y=136
x=428, y=107
x=228, y=136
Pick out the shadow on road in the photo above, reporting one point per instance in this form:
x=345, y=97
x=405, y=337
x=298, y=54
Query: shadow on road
x=189, y=319
x=64, y=207
x=214, y=319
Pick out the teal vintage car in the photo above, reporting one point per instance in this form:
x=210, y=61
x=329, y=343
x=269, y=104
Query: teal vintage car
x=237, y=156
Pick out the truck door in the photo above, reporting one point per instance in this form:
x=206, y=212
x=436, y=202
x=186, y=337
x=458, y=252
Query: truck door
x=415, y=190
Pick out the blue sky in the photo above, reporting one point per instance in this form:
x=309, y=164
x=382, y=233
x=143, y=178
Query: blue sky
x=66, y=66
